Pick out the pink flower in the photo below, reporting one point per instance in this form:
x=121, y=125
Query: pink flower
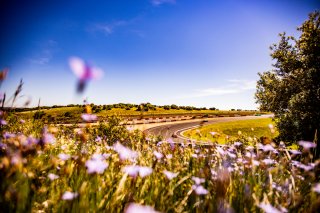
x=84, y=72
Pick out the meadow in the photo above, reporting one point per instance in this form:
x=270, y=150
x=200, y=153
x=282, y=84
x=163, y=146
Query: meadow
x=110, y=168
x=223, y=132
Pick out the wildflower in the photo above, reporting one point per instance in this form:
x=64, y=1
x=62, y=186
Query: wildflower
x=295, y=152
x=3, y=122
x=96, y=165
x=158, y=155
x=48, y=138
x=197, y=180
x=89, y=117
x=237, y=143
x=169, y=156
x=124, y=152
x=63, y=156
x=231, y=155
x=137, y=208
x=98, y=139
x=266, y=148
x=144, y=171
x=84, y=72
x=131, y=170
x=134, y=170
x=220, y=150
x=199, y=190
x=52, y=176
x=69, y=195
x=63, y=147
x=268, y=161
x=316, y=188
x=267, y=208
x=307, y=144
x=271, y=126
x=170, y=175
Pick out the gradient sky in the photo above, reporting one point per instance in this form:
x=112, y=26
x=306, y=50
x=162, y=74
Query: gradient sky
x=184, y=52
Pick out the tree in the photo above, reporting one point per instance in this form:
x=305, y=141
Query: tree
x=292, y=89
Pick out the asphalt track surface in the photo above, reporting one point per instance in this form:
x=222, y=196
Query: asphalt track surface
x=167, y=131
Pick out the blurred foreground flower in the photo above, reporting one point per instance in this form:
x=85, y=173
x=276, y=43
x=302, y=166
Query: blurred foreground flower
x=268, y=208
x=199, y=190
x=52, y=176
x=307, y=144
x=170, y=175
x=3, y=74
x=89, y=117
x=124, y=152
x=137, y=208
x=96, y=165
x=69, y=195
x=84, y=72
x=133, y=170
x=316, y=188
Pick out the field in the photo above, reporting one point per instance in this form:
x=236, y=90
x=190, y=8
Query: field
x=223, y=132
x=109, y=168
x=72, y=114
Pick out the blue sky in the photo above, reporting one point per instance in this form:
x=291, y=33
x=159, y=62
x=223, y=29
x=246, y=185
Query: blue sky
x=185, y=52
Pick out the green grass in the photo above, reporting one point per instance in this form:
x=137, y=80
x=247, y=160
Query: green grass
x=249, y=128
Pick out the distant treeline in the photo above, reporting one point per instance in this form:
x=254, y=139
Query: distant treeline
x=138, y=107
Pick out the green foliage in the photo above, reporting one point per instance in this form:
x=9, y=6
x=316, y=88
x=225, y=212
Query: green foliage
x=292, y=89
x=39, y=114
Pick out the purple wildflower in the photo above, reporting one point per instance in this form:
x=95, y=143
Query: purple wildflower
x=52, y=176
x=158, y=155
x=84, y=72
x=170, y=175
x=137, y=208
x=197, y=180
x=124, y=152
x=3, y=122
x=63, y=156
x=199, y=190
x=69, y=195
x=316, y=188
x=307, y=144
x=268, y=208
x=96, y=165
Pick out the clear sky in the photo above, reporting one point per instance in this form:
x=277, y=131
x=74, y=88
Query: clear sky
x=184, y=52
